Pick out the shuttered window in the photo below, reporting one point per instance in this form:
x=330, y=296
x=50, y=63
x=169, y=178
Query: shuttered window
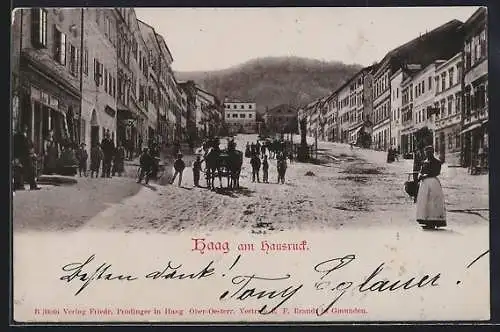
x=74, y=60
x=39, y=27
x=59, y=46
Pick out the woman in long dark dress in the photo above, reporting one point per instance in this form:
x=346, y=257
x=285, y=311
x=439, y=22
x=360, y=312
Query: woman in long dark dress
x=431, y=211
x=51, y=154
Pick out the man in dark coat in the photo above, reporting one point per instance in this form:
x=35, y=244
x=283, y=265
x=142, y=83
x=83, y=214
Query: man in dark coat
x=24, y=157
x=108, y=149
x=281, y=167
x=265, y=170
x=179, y=166
x=146, y=162
x=196, y=171
x=255, y=162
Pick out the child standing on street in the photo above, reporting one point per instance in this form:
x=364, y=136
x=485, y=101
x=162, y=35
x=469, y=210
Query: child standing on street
x=82, y=157
x=96, y=156
x=179, y=166
x=196, y=171
x=265, y=170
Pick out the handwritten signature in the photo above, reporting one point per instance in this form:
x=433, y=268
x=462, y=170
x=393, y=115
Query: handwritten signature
x=271, y=291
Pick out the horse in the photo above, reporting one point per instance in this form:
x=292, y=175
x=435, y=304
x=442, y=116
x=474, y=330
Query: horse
x=235, y=161
x=212, y=163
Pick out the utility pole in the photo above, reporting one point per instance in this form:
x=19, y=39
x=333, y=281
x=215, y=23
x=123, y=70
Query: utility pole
x=78, y=135
x=316, y=141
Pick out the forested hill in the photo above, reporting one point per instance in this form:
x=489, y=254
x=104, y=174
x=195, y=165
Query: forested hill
x=273, y=81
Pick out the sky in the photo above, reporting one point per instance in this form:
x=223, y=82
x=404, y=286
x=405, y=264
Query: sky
x=204, y=39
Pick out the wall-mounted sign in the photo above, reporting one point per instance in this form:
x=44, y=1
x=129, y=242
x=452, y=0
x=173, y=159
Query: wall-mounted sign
x=111, y=112
x=54, y=102
x=35, y=93
x=44, y=98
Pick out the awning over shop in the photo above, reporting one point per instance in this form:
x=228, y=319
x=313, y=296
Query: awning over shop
x=124, y=113
x=474, y=126
x=357, y=130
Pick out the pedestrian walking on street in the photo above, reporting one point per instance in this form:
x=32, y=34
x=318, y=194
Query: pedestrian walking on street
x=263, y=150
x=119, y=160
x=146, y=165
x=418, y=159
x=255, y=162
x=431, y=211
x=139, y=146
x=108, y=149
x=265, y=170
x=248, y=152
x=82, y=156
x=179, y=166
x=50, y=154
x=96, y=157
x=25, y=157
x=391, y=155
x=196, y=171
x=252, y=150
x=281, y=167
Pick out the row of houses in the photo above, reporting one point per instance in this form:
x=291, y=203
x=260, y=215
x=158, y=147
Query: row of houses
x=81, y=72
x=438, y=80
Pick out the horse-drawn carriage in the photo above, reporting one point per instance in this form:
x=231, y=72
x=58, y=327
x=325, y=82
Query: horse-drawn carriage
x=222, y=163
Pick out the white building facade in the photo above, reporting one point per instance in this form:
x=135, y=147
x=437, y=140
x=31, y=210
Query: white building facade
x=240, y=116
x=448, y=98
x=424, y=93
x=396, y=98
x=381, y=109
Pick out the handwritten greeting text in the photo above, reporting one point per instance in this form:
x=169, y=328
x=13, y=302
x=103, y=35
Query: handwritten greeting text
x=271, y=290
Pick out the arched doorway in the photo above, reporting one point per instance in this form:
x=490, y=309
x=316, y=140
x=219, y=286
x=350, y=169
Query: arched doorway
x=94, y=129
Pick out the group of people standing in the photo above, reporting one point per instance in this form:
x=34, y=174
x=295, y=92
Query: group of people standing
x=257, y=151
x=104, y=156
x=392, y=154
x=272, y=148
x=24, y=162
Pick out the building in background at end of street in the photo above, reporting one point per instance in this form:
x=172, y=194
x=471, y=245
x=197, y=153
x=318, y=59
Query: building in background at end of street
x=281, y=119
x=240, y=117
x=208, y=114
